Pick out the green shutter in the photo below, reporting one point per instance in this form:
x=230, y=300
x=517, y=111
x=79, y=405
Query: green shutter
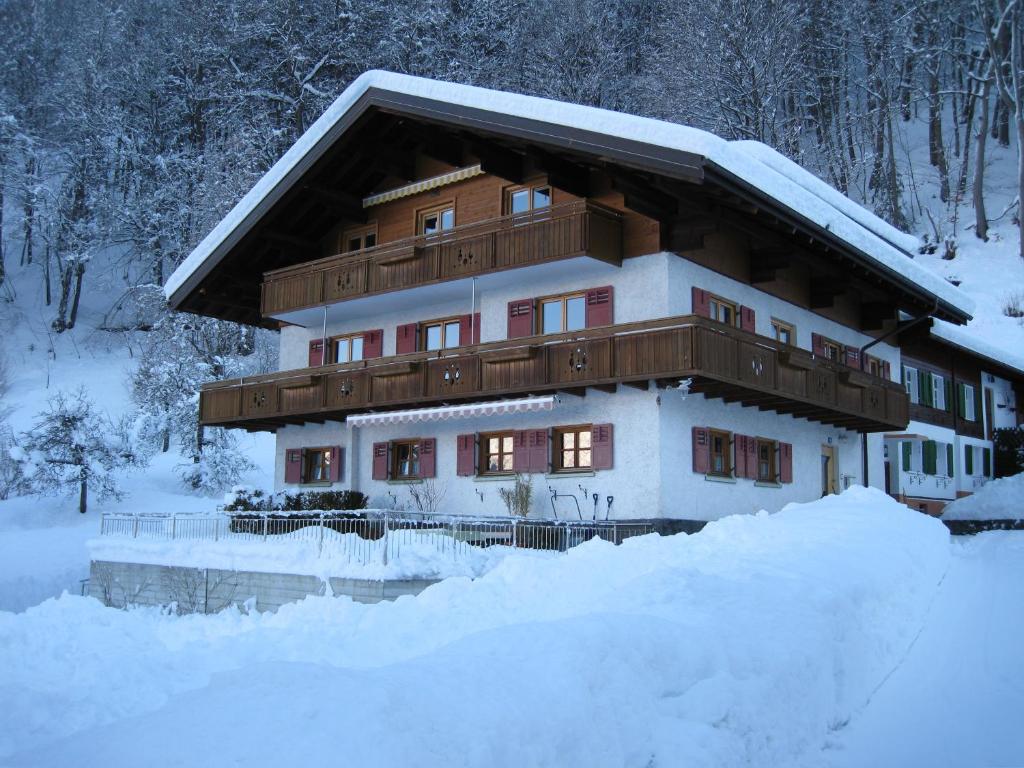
x=907, y=453
x=986, y=461
x=949, y=394
x=961, y=398
x=929, y=455
x=949, y=459
x=924, y=388
x=977, y=404
x=968, y=460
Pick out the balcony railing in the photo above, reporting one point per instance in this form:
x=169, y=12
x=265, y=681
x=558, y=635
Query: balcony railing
x=720, y=361
x=561, y=232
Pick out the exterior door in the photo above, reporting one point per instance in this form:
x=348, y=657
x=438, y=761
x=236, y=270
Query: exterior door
x=828, y=470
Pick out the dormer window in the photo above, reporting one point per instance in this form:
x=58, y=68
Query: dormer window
x=526, y=199
x=358, y=239
x=435, y=220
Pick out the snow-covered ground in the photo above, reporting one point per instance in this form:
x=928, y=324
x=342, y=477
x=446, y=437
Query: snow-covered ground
x=1001, y=499
x=746, y=644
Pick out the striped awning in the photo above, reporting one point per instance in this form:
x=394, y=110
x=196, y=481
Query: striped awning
x=422, y=186
x=447, y=412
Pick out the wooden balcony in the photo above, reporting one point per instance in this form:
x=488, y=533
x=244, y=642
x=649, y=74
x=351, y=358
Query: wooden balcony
x=562, y=232
x=720, y=361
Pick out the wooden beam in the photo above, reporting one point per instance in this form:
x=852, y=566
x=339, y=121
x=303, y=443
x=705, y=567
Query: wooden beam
x=337, y=202
x=500, y=162
x=609, y=388
x=824, y=292
x=873, y=314
x=574, y=391
x=564, y=174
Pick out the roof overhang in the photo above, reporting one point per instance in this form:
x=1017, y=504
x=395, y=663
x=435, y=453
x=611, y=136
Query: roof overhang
x=655, y=147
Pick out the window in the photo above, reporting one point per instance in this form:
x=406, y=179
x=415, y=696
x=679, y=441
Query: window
x=526, y=199
x=968, y=401
x=721, y=460
x=874, y=366
x=723, y=311
x=783, y=332
x=496, y=453
x=938, y=392
x=573, y=449
x=441, y=334
x=910, y=382
x=347, y=349
x=405, y=459
x=435, y=220
x=563, y=313
x=766, y=461
x=358, y=239
x=317, y=467
x=833, y=351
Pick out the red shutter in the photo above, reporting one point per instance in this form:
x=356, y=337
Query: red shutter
x=751, y=451
x=316, y=353
x=537, y=442
x=701, y=302
x=373, y=344
x=851, y=356
x=739, y=455
x=334, y=472
x=469, y=329
x=465, y=455
x=293, y=465
x=601, y=446
x=405, y=338
x=747, y=319
x=520, y=451
x=701, y=450
x=520, y=318
x=428, y=457
x=599, y=303
x=818, y=344
x=886, y=370
x=785, y=462
x=380, y=461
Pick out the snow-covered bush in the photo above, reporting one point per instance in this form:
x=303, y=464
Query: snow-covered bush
x=519, y=497
x=1009, y=451
x=220, y=465
x=72, y=448
x=248, y=500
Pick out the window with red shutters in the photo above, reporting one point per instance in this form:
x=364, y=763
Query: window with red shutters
x=373, y=344
x=537, y=441
x=785, y=463
x=465, y=455
x=381, y=461
x=520, y=318
x=601, y=443
x=851, y=356
x=316, y=353
x=600, y=302
x=293, y=465
x=335, y=466
x=701, y=450
x=469, y=328
x=750, y=463
x=405, y=338
x=521, y=451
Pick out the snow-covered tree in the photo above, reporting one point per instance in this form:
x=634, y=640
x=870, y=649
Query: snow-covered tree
x=72, y=448
x=218, y=467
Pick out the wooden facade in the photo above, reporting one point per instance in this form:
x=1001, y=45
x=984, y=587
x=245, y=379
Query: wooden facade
x=957, y=368
x=506, y=242
x=718, y=360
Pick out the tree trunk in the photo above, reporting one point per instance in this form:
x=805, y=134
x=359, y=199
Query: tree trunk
x=978, y=191
x=165, y=445
x=60, y=323
x=47, y=282
x=28, y=212
x=79, y=274
x=936, y=149
x=83, y=490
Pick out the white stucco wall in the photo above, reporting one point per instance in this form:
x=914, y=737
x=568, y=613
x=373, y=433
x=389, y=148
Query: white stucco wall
x=915, y=482
x=1004, y=399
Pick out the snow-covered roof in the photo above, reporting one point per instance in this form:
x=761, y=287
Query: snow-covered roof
x=969, y=340
x=754, y=164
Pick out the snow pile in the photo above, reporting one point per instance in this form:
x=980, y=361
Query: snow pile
x=745, y=644
x=411, y=554
x=1001, y=499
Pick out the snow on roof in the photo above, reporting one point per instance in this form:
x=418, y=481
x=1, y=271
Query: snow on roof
x=755, y=164
x=965, y=337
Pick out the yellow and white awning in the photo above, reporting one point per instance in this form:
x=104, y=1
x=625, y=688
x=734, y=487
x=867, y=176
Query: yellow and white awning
x=422, y=186
x=448, y=412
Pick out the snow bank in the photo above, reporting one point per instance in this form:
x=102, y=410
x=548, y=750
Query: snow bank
x=973, y=340
x=426, y=554
x=741, y=645
x=1001, y=499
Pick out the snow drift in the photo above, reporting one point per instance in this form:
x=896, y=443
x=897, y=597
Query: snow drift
x=1001, y=499
x=743, y=644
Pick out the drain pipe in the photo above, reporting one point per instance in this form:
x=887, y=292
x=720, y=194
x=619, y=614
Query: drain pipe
x=900, y=328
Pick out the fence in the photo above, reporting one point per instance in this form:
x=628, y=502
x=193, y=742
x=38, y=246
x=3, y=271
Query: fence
x=374, y=537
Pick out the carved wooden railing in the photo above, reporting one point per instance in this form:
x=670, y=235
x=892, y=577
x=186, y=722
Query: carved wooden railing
x=721, y=359
x=564, y=231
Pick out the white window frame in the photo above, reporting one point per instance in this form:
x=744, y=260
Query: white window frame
x=969, y=411
x=938, y=392
x=910, y=382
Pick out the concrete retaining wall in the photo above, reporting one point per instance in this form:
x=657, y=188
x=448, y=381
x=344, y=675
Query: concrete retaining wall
x=208, y=590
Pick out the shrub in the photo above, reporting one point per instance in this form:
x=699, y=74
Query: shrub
x=1008, y=456
x=1014, y=306
x=247, y=500
x=519, y=497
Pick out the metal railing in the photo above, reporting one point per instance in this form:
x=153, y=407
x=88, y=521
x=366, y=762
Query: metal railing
x=374, y=537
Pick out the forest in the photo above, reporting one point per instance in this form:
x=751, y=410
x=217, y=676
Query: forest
x=129, y=127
